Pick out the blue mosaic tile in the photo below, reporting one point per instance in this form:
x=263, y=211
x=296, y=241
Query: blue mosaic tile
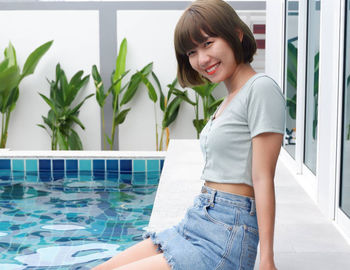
x=125, y=177
x=31, y=165
x=58, y=168
x=85, y=169
x=45, y=170
x=152, y=165
x=98, y=164
x=18, y=169
x=5, y=164
x=112, y=164
x=31, y=177
x=31, y=170
x=5, y=174
x=98, y=169
x=126, y=165
x=71, y=168
x=84, y=165
x=112, y=169
x=18, y=175
x=153, y=178
x=139, y=178
x=44, y=165
x=18, y=165
x=139, y=165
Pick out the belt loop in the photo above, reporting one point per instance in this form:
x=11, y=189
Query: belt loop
x=252, y=207
x=212, y=196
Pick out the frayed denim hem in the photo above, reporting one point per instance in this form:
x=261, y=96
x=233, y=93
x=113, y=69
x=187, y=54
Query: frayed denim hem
x=161, y=248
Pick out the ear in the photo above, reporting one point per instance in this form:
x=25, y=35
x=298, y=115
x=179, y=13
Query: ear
x=240, y=34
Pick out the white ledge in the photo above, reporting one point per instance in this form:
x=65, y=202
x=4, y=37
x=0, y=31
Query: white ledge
x=81, y=154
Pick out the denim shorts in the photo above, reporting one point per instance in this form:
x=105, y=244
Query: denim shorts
x=219, y=231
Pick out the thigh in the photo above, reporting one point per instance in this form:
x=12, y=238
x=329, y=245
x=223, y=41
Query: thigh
x=156, y=262
x=136, y=252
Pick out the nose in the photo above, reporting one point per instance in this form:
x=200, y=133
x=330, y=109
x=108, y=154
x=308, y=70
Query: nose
x=203, y=59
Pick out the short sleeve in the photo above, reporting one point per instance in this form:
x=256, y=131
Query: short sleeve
x=266, y=107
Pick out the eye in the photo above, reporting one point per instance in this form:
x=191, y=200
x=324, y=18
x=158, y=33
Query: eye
x=190, y=53
x=207, y=43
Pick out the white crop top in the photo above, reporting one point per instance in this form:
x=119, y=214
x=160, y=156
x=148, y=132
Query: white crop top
x=226, y=142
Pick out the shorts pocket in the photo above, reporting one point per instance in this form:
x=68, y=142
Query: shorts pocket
x=217, y=216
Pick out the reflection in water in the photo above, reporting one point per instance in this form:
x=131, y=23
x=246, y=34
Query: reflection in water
x=69, y=225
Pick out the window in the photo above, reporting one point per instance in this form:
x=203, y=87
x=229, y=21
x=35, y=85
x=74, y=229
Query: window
x=345, y=161
x=311, y=96
x=290, y=81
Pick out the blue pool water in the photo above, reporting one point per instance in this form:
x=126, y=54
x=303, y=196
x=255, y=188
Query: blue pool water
x=72, y=222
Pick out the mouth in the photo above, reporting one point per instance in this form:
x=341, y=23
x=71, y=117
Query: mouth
x=212, y=69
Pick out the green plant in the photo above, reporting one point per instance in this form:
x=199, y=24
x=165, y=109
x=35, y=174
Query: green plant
x=101, y=96
x=169, y=106
x=292, y=65
x=128, y=91
x=209, y=104
x=10, y=78
x=62, y=115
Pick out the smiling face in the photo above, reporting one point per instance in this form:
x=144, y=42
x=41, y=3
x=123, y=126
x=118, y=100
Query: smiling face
x=213, y=59
x=213, y=27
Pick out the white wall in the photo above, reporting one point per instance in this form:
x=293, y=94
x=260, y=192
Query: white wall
x=274, y=52
x=75, y=47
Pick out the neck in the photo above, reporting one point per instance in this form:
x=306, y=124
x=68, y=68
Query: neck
x=241, y=75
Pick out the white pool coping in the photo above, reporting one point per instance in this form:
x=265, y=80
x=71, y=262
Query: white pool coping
x=6, y=153
x=178, y=184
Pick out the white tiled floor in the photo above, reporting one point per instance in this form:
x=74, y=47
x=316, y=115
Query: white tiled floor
x=304, y=238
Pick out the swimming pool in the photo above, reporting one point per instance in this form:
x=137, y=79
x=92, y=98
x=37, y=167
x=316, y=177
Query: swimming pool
x=73, y=213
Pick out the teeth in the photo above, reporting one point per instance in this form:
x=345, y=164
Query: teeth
x=213, y=68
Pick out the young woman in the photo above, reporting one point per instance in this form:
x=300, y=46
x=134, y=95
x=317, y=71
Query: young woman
x=240, y=143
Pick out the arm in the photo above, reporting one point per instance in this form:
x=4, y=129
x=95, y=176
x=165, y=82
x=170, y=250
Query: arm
x=265, y=151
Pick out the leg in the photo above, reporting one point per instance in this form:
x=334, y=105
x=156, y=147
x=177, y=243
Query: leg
x=156, y=262
x=136, y=252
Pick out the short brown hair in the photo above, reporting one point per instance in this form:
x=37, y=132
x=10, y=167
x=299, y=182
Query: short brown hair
x=215, y=18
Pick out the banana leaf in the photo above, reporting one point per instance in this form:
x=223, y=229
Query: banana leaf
x=171, y=112
x=184, y=96
x=134, y=83
x=121, y=116
x=120, y=66
x=34, y=58
x=74, y=141
x=10, y=54
x=74, y=86
x=4, y=64
x=9, y=79
x=199, y=125
x=100, y=92
x=201, y=90
x=162, y=97
x=151, y=91
x=61, y=141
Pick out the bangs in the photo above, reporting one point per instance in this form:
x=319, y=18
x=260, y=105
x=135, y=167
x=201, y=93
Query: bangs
x=191, y=32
